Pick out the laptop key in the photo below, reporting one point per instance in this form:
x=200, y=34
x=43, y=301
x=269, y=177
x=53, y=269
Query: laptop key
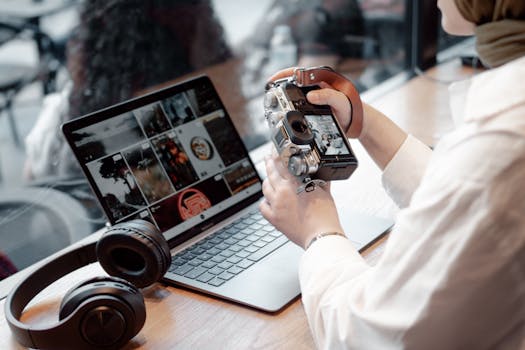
x=216, y=281
x=182, y=270
x=222, y=246
x=239, y=235
x=236, y=248
x=240, y=226
x=260, y=233
x=196, y=272
x=275, y=233
x=270, y=247
x=244, y=243
x=248, y=231
x=216, y=270
x=234, y=259
x=224, y=265
x=227, y=253
x=243, y=254
x=214, y=251
x=230, y=241
x=260, y=244
x=268, y=228
x=268, y=238
x=215, y=240
x=251, y=249
x=195, y=262
x=197, y=250
x=226, y=275
x=205, y=256
x=178, y=261
x=235, y=270
x=208, y=264
x=205, y=277
x=245, y=263
x=252, y=238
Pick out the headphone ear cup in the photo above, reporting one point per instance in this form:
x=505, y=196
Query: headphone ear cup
x=112, y=311
x=135, y=251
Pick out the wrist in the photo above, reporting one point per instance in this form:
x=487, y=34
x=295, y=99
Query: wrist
x=319, y=236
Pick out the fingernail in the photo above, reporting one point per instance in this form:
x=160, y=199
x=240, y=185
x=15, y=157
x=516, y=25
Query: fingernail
x=312, y=96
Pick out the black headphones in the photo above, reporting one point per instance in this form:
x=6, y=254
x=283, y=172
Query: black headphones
x=103, y=312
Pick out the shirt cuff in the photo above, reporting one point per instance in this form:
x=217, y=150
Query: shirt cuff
x=326, y=259
x=403, y=173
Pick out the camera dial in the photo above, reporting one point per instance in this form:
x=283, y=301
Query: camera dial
x=297, y=166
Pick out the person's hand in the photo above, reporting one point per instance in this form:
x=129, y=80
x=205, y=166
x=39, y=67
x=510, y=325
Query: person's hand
x=301, y=216
x=336, y=100
x=283, y=73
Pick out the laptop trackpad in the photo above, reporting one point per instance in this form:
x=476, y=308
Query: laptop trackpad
x=269, y=285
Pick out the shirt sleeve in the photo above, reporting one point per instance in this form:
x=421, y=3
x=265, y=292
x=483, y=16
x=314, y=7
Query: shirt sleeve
x=403, y=173
x=445, y=266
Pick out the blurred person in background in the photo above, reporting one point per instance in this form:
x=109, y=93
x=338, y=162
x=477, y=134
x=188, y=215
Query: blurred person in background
x=119, y=49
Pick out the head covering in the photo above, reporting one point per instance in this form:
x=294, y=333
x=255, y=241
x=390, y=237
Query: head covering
x=500, y=28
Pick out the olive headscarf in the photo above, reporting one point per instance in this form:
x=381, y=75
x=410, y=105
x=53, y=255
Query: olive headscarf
x=500, y=28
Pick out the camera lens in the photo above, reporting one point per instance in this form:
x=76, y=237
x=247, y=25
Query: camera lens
x=297, y=165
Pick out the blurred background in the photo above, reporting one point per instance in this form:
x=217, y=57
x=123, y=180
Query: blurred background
x=61, y=59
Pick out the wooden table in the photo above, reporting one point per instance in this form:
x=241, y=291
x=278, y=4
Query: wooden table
x=182, y=319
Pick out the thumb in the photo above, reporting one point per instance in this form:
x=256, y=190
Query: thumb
x=335, y=99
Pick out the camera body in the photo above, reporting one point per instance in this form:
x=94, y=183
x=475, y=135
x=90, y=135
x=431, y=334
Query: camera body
x=308, y=137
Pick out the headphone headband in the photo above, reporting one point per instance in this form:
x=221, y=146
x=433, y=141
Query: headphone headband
x=33, y=284
x=102, y=312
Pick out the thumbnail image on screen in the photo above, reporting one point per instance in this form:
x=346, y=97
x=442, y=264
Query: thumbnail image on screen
x=175, y=160
x=152, y=119
x=148, y=172
x=117, y=186
x=107, y=137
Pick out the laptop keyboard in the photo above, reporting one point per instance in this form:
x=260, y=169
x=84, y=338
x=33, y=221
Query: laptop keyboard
x=229, y=251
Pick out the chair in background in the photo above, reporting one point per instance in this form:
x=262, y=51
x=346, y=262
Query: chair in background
x=15, y=76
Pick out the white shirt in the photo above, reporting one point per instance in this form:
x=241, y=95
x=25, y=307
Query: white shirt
x=452, y=275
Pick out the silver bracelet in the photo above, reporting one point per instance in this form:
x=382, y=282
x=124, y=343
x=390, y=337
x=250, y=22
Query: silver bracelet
x=324, y=234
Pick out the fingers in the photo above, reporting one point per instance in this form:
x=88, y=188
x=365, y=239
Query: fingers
x=266, y=209
x=275, y=169
x=283, y=73
x=335, y=99
x=326, y=96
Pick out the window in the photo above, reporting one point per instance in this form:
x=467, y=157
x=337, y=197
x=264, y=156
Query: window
x=91, y=54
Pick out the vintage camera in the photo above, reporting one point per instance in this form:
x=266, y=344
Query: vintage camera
x=308, y=137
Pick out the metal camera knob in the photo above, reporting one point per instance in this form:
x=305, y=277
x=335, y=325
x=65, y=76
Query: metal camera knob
x=270, y=100
x=297, y=165
x=274, y=117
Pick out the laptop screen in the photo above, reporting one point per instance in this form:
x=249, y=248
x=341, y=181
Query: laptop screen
x=172, y=157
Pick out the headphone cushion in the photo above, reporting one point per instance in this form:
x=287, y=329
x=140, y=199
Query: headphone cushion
x=115, y=301
x=135, y=251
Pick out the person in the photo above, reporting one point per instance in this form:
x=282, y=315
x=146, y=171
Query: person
x=119, y=49
x=452, y=275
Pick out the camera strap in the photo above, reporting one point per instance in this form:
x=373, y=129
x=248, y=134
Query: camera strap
x=315, y=75
x=309, y=185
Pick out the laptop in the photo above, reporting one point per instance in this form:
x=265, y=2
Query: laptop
x=174, y=158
